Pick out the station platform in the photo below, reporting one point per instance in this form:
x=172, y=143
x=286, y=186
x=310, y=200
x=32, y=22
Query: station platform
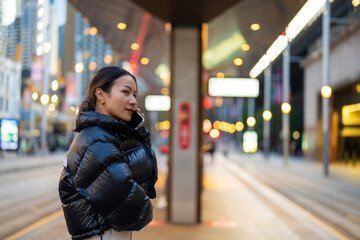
x=244, y=197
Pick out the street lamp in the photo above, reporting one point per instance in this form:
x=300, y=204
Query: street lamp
x=35, y=96
x=286, y=108
x=239, y=126
x=54, y=85
x=44, y=99
x=79, y=67
x=267, y=115
x=326, y=91
x=54, y=98
x=251, y=121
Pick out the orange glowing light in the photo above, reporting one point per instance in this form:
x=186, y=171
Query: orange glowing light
x=108, y=59
x=220, y=75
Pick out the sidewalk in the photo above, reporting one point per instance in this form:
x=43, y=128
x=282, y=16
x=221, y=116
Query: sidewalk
x=13, y=162
x=235, y=205
x=334, y=198
x=240, y=202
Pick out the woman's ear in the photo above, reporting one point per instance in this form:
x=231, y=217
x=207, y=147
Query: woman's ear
x=100, y=95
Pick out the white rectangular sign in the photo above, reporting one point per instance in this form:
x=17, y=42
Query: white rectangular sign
x=157, y=103
x=233, y=87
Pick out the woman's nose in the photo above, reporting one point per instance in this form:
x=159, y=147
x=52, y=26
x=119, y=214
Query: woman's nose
x=133, y=101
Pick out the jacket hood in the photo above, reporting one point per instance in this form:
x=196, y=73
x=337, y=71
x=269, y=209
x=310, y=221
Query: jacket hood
x=91, y=118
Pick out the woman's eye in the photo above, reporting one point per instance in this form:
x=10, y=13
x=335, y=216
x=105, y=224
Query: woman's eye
x=126, y=91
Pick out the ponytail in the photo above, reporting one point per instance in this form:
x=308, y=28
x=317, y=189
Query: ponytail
x=88, y=104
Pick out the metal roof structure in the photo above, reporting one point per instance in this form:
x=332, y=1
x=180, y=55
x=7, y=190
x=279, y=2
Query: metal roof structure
x=228, y=25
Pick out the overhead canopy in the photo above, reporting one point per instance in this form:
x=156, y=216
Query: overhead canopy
x=228, y=24
x=186, y=11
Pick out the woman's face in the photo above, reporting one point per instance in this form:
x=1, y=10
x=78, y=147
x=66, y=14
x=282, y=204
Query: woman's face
x=120, y=102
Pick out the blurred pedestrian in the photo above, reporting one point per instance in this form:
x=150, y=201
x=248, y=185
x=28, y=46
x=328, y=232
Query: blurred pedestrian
x=209, y=148
x=110, y=169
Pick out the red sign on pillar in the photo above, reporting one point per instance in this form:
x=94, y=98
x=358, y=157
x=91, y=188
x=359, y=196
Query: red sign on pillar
x=184, y=125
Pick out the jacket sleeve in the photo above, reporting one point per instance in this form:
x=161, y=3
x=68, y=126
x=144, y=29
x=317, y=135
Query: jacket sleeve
x=150, y=185
x=105, y=179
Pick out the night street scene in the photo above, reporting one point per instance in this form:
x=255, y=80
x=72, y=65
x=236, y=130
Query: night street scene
x=181, y=120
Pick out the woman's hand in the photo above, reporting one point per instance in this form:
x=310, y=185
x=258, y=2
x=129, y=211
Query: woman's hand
x=139, y=111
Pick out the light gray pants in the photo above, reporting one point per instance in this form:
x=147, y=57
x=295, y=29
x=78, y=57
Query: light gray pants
x=111, y=234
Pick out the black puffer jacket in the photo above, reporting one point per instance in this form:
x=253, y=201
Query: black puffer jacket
x=108, y=177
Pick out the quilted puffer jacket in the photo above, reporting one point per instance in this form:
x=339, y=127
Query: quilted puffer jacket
x=108, y=177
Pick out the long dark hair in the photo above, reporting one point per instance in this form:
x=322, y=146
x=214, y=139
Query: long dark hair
x=104, y=78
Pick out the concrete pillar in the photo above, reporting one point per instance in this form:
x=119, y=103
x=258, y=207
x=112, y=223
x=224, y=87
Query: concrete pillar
x=185, y=165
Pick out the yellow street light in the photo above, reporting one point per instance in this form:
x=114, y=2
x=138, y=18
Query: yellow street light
x=44, y=99
x=355, y=3
x=232, y=128
x=286, y=108
x=144, y=61
x=326, y=91
x=220, y=75
x=245, y=47
x=54, y=85
x=79, y=67
x=267, y=115
x=239, y=126
x=121, y=26
x=238, y=61
x=255, y=26
x=54, y=98
x=35, y=96
x=135, y=46
x=251, y=121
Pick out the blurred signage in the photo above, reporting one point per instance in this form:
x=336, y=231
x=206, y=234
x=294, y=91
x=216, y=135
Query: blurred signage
x=184, y=125
x=351, y=114
x=233, y=87
x=9, y=134
x=157, y=103
x=37, y=70
x=70, y=91
x=250, y=141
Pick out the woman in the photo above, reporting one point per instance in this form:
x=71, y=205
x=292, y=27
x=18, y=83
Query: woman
x=110, y=170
